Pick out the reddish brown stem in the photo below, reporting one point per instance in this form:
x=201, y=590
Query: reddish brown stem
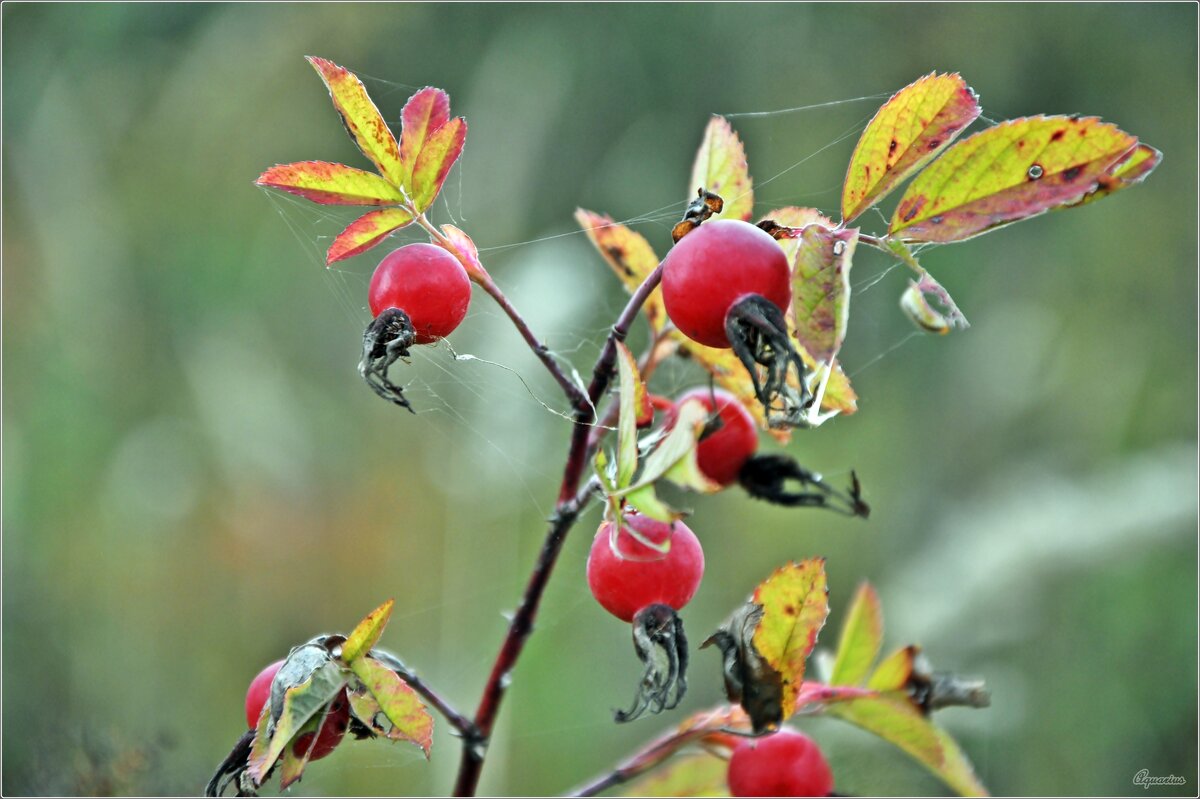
x=571, y=502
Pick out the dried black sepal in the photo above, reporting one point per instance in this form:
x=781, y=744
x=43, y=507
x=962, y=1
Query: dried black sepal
x=758, y=333
x=749, y=679
x=766, y=477
x=386, y=340
x=661, y=645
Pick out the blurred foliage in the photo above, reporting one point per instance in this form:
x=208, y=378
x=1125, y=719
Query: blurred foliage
x=193, y=471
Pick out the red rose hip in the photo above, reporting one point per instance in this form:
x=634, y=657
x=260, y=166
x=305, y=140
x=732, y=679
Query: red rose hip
x=427, y=283
x=640, y=575
x=785, y=763
x=722, y=453
x=331, y=732
x=714, y=267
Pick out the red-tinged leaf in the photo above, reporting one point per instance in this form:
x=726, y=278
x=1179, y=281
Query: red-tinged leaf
x=1130, y=172
x=862, y=637
x=361, y=118
x=629, y=255
x=721, y=168
x=908, y=130
x=331, y=184
x=1013, y=171
x=815, y=696
x=441, y=150
x=894, y=671
x=916, y=307
x=397, y=702
x=257, y=764
x=425, y=112
x=367, y=633
x=464, y=249
x=292, y=766
x=365, y=232
x=795, y=603
x=821, y=289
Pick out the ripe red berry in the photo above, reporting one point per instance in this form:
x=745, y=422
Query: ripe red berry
x=722, y=453
x=428, y=284
x=331, y=732
x=715, y=266
x=785, y=763
x=641, y=576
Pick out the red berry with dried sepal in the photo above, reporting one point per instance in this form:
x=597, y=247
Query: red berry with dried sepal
x=337, y=719
x=640, y=575
x=428, y=284
x=785, y=763
x=722, y=453
x=715, y=267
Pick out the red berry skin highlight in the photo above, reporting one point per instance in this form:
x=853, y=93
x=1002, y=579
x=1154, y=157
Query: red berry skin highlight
x=714, y=267
x=722, y=454
x=785, y=763
x=644, y=576
x=428, y=284
x=331, y=732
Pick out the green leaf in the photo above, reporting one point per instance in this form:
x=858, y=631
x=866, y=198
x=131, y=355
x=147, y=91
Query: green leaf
x=292, y=767
x=397, y=702
x=361, y=118
x=675, y=455
x=367, y=633
x=366, y=232
x=893, y=671
x=646, y=500
x=895, y=719
x=330, y=184
x=439, y=153
x=1013, y=171
x=821, y=289
x=795, y=603
x=692, y=775
x=632, y=393
x=799, y=218
x=862, y=637
x=300, y=703
x=721, y=168
x=425, y=112
x=908, y=130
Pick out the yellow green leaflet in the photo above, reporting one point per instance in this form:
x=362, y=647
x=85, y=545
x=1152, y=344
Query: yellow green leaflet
x=300, y=703
x=910, y=129
x=629, y=255
x=331, y=184
x=691, y=775
x=799, y=218
x=721, y=168
x=399, y=704
x=440, y=151
x=1129, y=172
x=361, y=117
x=367, y=633
x=862, y=636
x=795, y=603
x=365, y=232
x=425, y=112
x=1013, y=171
x=632, y=389
x=893, y=671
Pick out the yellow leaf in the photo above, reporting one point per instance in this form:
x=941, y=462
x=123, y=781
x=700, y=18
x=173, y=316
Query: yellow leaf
x=795, y=603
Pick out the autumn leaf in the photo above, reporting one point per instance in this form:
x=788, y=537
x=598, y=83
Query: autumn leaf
x=440, y=151
x=400, y=715
x=367, y=633
x=720, y=167
x=917, y=308
x=463, y=248
x=861, y=638
x=905, y=134
x=629, y=255
x=330, y=184
x=1129, y=172
x=821, y=289
x=693, y=775
x=361, y=118
x=799, y=218
x=425, y=112
x=366, y=232
x=795, y=604
x=1012, y=171
x=300, y=703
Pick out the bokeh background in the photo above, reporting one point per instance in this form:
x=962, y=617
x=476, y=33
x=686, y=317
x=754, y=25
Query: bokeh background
x=195, y=479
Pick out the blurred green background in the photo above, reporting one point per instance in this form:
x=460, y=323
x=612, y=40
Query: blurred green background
x=195, y=479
